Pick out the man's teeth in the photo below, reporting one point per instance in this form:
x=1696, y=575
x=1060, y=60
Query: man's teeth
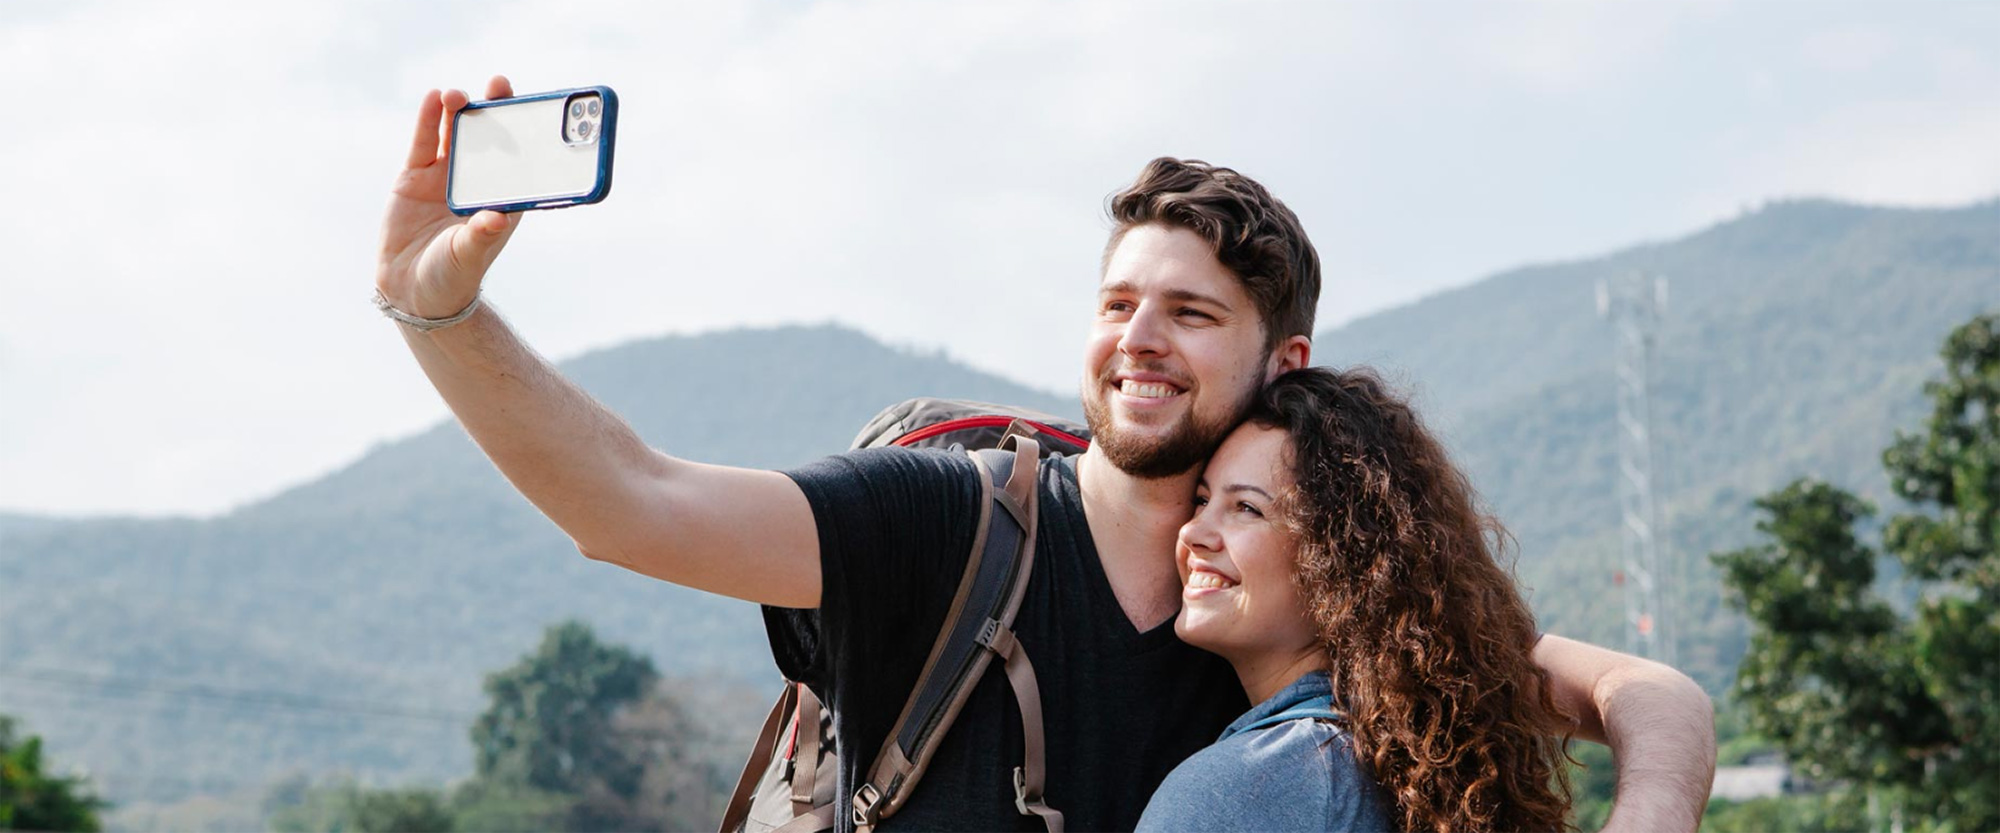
x=1203, y=580
x=1146, y=390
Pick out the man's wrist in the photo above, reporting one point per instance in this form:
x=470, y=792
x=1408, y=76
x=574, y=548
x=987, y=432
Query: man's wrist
x=420, y=323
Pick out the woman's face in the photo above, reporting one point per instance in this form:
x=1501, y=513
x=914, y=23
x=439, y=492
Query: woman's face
x=1238, y=598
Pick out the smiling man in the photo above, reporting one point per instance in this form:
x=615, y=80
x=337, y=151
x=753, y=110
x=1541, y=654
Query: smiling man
x=1208, y=290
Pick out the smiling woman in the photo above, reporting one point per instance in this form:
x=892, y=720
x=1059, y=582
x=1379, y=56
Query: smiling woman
x=1336, y=558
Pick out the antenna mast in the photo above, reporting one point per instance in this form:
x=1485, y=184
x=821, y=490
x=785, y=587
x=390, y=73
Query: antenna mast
x=1634, y=303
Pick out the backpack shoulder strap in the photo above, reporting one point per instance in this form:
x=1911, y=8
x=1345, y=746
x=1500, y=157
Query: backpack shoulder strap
x=978, y=626
x=738, y=808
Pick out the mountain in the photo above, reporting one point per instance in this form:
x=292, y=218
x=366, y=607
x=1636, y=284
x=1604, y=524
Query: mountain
x=346, y=624
x=1795, y=342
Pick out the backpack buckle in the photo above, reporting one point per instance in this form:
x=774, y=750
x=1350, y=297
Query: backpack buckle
x=1021, y=793
x=865, y=800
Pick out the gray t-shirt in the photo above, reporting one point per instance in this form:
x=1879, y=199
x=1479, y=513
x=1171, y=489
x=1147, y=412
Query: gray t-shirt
x=1297, y=774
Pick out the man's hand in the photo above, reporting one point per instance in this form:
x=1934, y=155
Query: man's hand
x=433, y=260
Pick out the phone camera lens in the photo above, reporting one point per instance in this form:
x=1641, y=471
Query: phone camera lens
x=593, y=108
x=576, y=110
x=583, y=130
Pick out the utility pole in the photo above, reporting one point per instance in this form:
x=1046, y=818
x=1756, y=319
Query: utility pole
x=1634, y=303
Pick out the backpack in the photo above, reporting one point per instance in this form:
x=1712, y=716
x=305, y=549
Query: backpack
x=787, y=784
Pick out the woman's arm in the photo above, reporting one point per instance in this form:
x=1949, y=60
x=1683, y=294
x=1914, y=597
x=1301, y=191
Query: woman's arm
x=1659, y=724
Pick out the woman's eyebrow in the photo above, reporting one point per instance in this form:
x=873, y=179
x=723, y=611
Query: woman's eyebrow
x=1245, y=487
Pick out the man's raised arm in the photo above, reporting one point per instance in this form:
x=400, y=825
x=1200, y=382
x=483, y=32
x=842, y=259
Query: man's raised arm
x=739, y=532
x=1659, y=724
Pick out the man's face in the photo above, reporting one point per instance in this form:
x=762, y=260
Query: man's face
x=1175, y=354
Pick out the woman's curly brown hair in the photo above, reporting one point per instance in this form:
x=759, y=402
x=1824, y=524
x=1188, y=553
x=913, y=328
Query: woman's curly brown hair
x=1425, y=635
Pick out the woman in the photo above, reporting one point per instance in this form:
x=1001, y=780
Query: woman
x=1337, y=560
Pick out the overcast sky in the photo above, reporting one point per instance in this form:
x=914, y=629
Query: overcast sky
x=193, y=191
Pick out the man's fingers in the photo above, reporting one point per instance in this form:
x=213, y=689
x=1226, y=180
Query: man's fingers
x=453, y=101
x=432, y=142
x=424, y=145
x=491, y=222
x=479, y=242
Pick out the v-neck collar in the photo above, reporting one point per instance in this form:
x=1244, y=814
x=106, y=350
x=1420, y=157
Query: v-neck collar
x=1138, y=641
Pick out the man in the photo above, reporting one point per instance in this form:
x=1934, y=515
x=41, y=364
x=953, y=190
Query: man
x=855, y=554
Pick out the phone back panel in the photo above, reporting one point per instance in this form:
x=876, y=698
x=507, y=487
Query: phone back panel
x=512, y=154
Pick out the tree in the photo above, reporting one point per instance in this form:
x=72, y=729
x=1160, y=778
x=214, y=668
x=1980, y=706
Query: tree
x=549, y=724
x=31, y=799
x=579, y=735
x=409, y=810
x=296, y=805
x=551, y=731
x=1905, y=707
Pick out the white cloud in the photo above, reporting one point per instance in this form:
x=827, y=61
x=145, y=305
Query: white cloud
x=183, y=323
x=1903, y=153
x=1847, y=49
x=1923, y=134
x=1561, y=46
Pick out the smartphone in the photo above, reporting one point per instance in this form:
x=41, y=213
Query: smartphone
x=546, y=150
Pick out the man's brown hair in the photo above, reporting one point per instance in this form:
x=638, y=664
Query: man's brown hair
x=1254, y=235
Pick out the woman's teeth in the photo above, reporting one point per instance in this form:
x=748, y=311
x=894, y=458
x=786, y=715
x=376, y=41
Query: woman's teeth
x=1203, y=580
x=1146, y=390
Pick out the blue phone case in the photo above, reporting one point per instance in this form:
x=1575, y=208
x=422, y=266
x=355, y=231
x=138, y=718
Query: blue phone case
x=518, y=154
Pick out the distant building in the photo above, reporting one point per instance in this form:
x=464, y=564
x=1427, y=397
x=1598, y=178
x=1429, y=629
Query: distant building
x=1762, y=776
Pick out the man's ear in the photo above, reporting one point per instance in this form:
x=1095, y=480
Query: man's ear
x=1291, y=354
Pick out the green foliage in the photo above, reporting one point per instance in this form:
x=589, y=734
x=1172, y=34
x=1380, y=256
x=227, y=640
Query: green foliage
x=1735, y=744
x=1904, y=707
x=1836, y=811
x=1593, y=781
x=490, y=807
x=579, y=735
x=408, y=810
x=549, y=725
x=32, y=799
x=582, y=735
x=297, y=806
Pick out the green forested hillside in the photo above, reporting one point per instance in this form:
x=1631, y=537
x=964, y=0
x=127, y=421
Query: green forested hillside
x=401, y=579
x=1796, y=341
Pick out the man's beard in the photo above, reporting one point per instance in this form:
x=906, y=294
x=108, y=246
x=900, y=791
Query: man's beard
x=1189, y=444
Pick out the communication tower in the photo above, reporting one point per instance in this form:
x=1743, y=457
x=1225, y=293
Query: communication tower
x=1634, y=303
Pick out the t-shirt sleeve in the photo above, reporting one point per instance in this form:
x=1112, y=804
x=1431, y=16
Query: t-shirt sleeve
x=895, y=526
